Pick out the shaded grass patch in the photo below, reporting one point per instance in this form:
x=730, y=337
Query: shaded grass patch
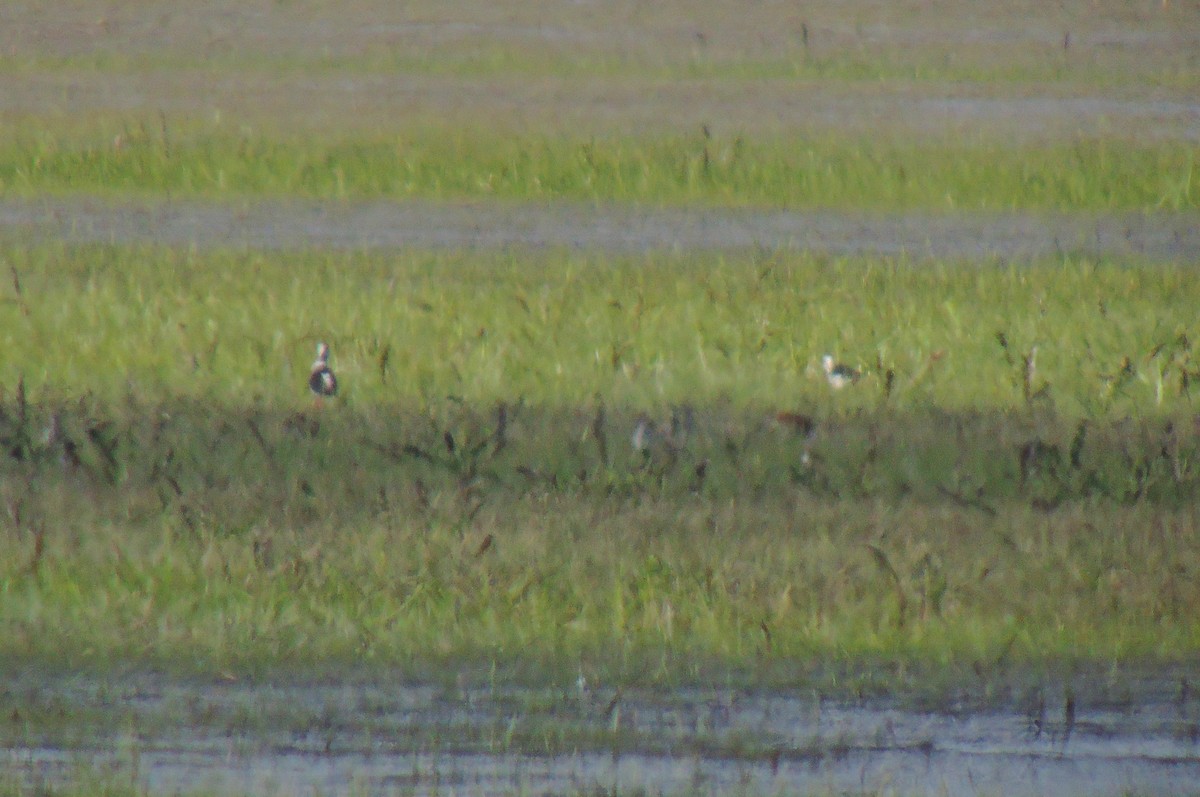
x=172, y=533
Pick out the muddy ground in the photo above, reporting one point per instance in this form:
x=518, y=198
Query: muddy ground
x=982, y=238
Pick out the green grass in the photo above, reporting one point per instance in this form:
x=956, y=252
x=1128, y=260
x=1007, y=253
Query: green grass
x=560, y=328
x=81, y=784
x=193, y=507
x=789, y=171
x=394, y=564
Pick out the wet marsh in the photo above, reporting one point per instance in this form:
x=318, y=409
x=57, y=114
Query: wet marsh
x=482, y=732
x=587, y=516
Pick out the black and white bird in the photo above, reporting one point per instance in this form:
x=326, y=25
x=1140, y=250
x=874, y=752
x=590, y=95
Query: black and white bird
x=321, y=380
x=837, y=374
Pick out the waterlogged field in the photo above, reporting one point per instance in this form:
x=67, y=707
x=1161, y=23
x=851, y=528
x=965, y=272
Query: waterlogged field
x=586, y=515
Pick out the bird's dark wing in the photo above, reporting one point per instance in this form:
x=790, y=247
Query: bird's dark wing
x=323, y=382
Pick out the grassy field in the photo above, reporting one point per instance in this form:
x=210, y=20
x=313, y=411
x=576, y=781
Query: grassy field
x=1112, y=339
x=876, y=106
x=806, y=171
x=1014, y=478
x=1010, y=491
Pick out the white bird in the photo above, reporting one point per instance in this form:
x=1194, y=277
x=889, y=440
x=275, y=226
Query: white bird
x=839, y=375
x=321, y=380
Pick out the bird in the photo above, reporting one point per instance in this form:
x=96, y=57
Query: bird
x=321, y=380
x=671, y=437
x=839, y=375
x=803, y=425
x=643, y=435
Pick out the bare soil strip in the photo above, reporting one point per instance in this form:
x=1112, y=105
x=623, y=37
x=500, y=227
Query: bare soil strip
x=299, y=225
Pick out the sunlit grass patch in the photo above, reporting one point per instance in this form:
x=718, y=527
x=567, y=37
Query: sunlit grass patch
x=1084, y=338
x=797, y=171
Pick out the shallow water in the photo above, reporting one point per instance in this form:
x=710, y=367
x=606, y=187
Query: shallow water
x=383, y=737
x=293, y=226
